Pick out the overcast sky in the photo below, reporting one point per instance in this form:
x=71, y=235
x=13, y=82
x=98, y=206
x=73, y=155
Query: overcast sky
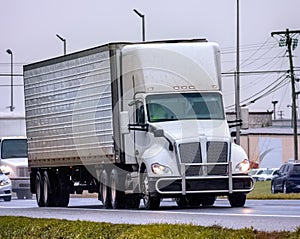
x=29, y=29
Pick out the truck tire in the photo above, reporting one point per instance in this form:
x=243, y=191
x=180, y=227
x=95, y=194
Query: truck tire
x=188, y=201
x=39, y=190
x=181, y=202
x=105, y=190
x=208, y=201
x=150, y=202
x=237, y=200
x=48, y=191
x=132, y=201
x=62, y=192
x=117, y=196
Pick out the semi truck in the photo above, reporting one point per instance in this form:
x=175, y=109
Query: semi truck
x=14, y=163
x=132, y=121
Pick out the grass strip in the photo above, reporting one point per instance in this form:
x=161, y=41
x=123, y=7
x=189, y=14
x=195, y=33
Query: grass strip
x=262, y=190
x=31, y=228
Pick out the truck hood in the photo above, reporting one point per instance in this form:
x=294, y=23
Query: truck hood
x=178, y=130
x=17, y=162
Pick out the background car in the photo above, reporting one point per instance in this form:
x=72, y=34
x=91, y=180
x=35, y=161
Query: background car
x=264, y=174
x=5, y=187
x=287, y=179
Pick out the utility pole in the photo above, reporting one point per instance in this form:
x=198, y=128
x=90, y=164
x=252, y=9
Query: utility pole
x=289, y=42
x=237, y=75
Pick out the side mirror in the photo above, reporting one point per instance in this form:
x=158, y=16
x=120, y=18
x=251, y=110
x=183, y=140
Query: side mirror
x=158, y=133
x=124, y=122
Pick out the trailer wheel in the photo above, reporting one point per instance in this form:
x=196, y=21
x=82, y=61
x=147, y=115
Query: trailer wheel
x=62, y=192
x=48, y=191
x=117, y=196
x=39, y=190
x=150, y=202
x=237, y=200
x=104, y=190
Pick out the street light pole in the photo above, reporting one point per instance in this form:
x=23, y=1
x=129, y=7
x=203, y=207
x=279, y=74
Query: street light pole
x=64, y=42
x=11, y=81
x=142, y=16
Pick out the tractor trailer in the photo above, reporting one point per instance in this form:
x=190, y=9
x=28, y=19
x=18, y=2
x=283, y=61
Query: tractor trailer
x=132, y=121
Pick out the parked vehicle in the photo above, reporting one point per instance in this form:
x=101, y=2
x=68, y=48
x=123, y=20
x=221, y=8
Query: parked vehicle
x=131, y=121
x=264, y=174
x=14, y=161
x=287, y=179
x=5, y=187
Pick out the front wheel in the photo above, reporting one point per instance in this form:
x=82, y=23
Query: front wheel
x=150, y=202
x=208, y=201
x=237, y=200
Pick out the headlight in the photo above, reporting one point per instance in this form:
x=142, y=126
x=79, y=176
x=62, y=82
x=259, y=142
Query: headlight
x=5, y=182
x=160, y=169
x=243, y=166
x=6, y=169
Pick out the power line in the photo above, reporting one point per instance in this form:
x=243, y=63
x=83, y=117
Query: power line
x=273, y=89
x=231, y=74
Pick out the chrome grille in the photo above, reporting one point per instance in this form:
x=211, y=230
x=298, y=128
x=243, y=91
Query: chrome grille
x=216, y=153
x=23, y=172
x=191, y=153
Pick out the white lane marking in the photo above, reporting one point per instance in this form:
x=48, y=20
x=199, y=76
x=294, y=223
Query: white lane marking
x=185, y=213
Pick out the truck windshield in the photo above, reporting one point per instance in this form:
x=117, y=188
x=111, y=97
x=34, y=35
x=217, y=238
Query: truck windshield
x=14, y=148
x=184, y=106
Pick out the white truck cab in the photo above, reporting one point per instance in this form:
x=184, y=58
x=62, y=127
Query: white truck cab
x=14, y=162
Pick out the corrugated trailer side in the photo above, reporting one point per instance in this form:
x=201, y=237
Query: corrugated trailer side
x=68, y=106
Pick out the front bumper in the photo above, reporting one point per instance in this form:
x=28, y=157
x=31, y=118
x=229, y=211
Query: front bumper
x=5, y=190
x=213, y=185
x=218, y=185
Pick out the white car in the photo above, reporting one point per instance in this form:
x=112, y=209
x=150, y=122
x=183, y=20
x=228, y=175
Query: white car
x=264, y=174
x=5, y=187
